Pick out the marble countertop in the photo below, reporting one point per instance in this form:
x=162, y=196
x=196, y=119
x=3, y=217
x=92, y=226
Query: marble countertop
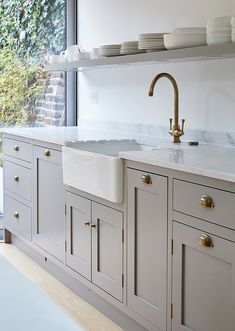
x=215, y=161
x=59, y=135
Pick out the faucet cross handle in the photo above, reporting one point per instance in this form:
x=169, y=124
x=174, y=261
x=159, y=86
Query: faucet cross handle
x=182, y=128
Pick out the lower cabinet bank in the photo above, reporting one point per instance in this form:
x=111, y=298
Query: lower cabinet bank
x=161, y=260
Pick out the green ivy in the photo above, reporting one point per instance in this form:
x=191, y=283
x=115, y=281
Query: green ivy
x=42, y=21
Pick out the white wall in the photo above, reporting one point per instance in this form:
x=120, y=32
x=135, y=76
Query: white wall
x=207, y=98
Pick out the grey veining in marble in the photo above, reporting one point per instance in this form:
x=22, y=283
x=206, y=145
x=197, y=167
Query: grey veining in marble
x=218, y=138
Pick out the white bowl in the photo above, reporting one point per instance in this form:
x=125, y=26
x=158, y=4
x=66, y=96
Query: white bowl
x=220, y=21
x=219, y=33
x=54, y=59
x=189, y=30
x=213, y=40
x=222, y=30
x=184, y=40
x=233, y=21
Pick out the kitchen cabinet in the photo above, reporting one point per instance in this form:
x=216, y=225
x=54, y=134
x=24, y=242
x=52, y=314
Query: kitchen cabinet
x=107, y=249
x=17, y=193
x=94, y=236
x=203, y=280
x=147, y=246
x=48, y=214
x=78, y=234
x=164, y=258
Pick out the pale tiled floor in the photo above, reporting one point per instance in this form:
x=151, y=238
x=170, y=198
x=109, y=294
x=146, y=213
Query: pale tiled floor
x=85, y=315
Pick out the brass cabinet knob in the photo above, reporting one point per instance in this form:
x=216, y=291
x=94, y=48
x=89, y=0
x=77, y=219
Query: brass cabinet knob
x=47, y=152
x=206, y=201
x=146, y=179
x=16, y=178
x=16, y=148
x=205, y=240
x=89, y=225
x=16, y=215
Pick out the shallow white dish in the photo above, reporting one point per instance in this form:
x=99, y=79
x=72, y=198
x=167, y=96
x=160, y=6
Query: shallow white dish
x=184, y=40
x=220, y=21
x=190, y=30
x=113, y=46
x=213, y=40
x=233, y=21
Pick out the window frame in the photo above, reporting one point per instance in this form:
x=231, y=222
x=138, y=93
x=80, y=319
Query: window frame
x=71, y=77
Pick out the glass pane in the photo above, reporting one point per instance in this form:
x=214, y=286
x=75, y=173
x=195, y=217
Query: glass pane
x=31, y=31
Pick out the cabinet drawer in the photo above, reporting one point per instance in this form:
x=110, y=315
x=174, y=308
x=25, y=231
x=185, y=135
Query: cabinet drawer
x=18, y=149
x=204, y=202
x=18, y=180
x=17, y=216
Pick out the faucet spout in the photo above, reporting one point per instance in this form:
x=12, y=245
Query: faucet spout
x=175, y=129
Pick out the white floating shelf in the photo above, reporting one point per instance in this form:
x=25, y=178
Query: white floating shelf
x=202, y=53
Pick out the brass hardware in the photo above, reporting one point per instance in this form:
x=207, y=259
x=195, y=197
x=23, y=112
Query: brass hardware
x=146, y=179
x=65, y=246
x=16, y=215
x=89, y=225
x=47, y=152
x=205, y=240
x=175, y=131
x=206, y=201
x=16, y=148
x=16, y=178
x=65, y=209
x=122, y=280
x=123, y=235
x=172, y=311
x=172, y=246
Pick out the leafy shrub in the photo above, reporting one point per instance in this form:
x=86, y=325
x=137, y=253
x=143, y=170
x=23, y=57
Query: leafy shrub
x=42, y=22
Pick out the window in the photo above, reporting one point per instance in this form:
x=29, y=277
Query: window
x=31, y=31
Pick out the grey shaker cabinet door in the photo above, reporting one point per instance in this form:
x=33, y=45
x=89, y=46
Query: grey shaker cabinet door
x=147, y=247
x=107, y=249
x=49, y=218
x=78, y=234
x=203, y=282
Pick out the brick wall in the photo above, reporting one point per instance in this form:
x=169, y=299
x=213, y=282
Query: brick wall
x=50, y=110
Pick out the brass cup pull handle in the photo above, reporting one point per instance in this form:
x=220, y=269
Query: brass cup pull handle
x=206, y=201
x=16, y=215
x=146, y=179
x=16, y=148
x=93, y=226
x=206, y=241
x=16, y=178
x=47, y=152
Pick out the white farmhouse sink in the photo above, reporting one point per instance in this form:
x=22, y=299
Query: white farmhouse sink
x=95, y=166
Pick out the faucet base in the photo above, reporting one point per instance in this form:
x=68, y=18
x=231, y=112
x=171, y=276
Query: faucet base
x=176, y=140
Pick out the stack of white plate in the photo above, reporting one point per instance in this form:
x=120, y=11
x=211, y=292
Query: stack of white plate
x=185, y=37
x=130, y=47
x=233, y=29
x=110, y=50
x=151, y=42
x=219, y=30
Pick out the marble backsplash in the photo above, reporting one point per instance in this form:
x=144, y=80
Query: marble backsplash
x=151, y=131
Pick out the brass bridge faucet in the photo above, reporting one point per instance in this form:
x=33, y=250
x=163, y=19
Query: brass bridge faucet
x=175, y=131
